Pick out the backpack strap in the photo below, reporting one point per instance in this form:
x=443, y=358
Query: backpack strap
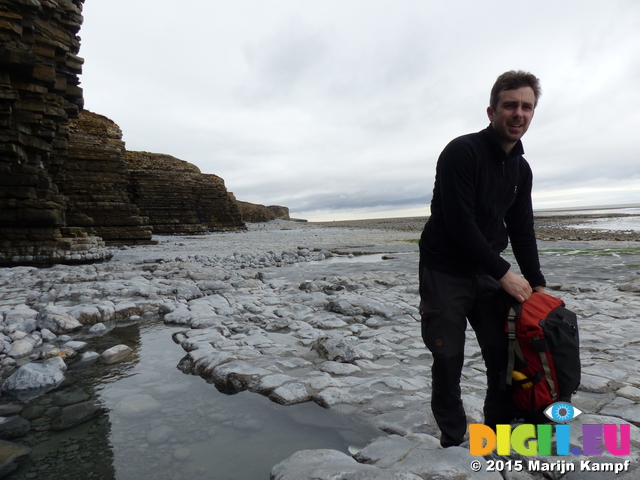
x=547, y=373
x=514, y=347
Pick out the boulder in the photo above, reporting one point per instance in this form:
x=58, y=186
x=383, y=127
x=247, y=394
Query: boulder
x=11, y=454
x=73, y=415
x=14, y=427
x=340, y=349
x=34, y=379
x=119, y=353
x=56, y=320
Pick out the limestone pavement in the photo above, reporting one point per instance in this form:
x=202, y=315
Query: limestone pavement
x=291, y=314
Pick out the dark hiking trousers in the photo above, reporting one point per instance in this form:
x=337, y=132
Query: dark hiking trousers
x=447, y=302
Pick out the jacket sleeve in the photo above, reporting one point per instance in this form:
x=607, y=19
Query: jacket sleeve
x=520, y=226
x=458, y=170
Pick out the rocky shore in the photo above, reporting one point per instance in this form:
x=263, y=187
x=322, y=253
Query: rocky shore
x=549, y=226
x=293, y=311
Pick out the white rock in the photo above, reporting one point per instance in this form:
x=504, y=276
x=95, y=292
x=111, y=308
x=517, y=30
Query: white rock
x=181, y=453
x=116, y=354
x=337, y=368
x=87, y=314
x=75, y=345
x=333, y=396
x=33, y=379
x=595, y=384
x=56, y=362
x=290, y=394
x=89, y=357
x=632, y=393
x=341, y=349
x=181, y=316
x=48, y=335
x=21, y=348
x=98, y=329
x=50, y=317
x=453, y=462
x=160, y=434
x=330, y=465
x=19, y=312
x=17, y=335
x=137, y=405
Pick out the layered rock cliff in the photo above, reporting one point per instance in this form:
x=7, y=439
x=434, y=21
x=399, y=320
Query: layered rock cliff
x=220, y=209
x=67, y=184
x=95, y=181
x=177, y=198
x=39, y=92
x=256, y=213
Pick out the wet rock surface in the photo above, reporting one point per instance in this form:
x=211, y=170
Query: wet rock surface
x=288, y=315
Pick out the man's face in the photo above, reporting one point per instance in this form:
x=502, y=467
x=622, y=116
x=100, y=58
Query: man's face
x=512, y=116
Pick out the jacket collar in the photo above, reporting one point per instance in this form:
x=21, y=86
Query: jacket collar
x=517, y=151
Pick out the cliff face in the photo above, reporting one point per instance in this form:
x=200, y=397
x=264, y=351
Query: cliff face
x=67, y=183
x=256, y=213
x=177, y=198
x=219, y=208
x=39, y=92
x=95, y=182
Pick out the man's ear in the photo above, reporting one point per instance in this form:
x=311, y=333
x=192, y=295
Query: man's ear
x=490, y=113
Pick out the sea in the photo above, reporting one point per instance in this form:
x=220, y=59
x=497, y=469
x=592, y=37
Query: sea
x=612, y=217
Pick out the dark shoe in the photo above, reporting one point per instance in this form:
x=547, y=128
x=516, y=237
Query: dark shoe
x=446, y=441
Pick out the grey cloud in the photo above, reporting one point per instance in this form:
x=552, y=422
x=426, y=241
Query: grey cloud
x=280, y=64
x=347, y=105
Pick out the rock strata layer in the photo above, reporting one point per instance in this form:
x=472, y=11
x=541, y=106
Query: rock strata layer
x=65, y=181
x=177, y=198
x=219, y=208
x=39, y=93
x=256, y=213
x=95, y=180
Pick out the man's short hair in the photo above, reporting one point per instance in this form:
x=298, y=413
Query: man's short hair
x=512, y=80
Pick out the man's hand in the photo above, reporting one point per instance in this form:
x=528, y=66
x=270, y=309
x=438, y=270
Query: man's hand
x=516, y=286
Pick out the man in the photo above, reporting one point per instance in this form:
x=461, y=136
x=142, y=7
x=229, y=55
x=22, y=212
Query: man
x=481, y=200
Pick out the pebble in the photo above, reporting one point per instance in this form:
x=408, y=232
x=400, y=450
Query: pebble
x=138, y=405
x=181, y=453
x=160, y=434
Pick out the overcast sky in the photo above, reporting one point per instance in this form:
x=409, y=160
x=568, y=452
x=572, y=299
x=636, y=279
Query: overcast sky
x=339, y=109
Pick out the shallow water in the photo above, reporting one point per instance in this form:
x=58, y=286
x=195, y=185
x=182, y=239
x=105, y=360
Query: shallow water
x=211, y=435
x=616, y=223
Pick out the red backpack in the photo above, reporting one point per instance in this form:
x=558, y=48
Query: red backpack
x=544, y=353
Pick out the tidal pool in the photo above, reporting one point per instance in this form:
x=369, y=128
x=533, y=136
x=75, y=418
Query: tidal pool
x=162, y=424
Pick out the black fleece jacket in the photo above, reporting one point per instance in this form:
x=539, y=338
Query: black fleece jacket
x=481, y=200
